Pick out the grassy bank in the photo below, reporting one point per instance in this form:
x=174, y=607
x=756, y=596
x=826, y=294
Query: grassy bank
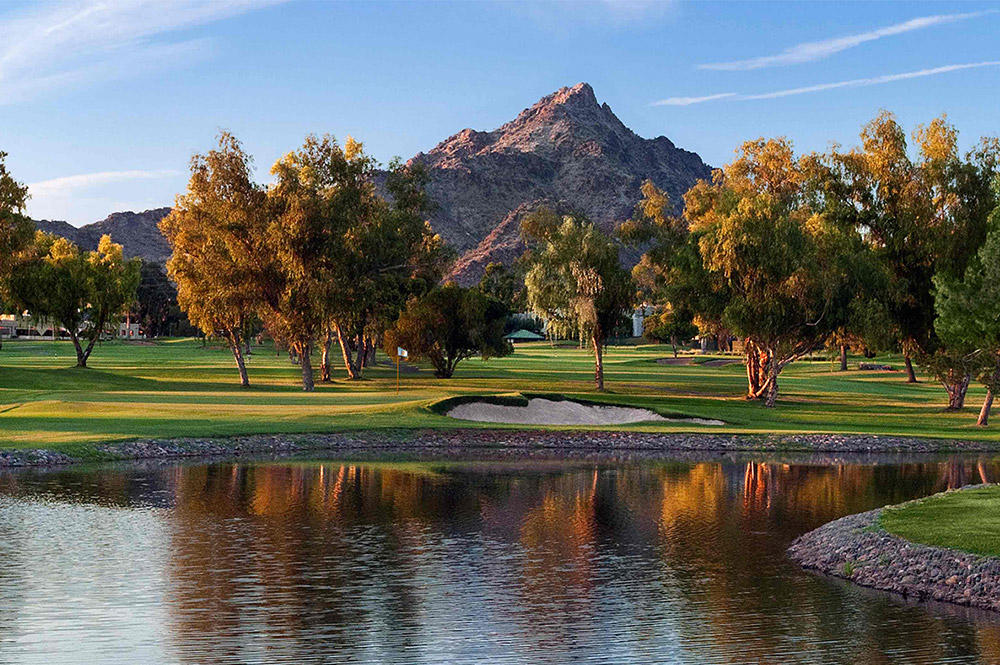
x=967, y=520
x=179, y=388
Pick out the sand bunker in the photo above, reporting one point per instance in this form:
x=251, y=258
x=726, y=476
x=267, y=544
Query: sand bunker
x=551, y=412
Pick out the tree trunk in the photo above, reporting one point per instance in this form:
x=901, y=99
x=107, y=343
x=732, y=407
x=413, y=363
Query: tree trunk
x=984, y=413
x=673, y=344
x=235, y=346
x=843, y=358
x=325, y=361
x=345, y=349
x=753, y=369
x=359, y=345
x=81, y=357
x=957, y=386
x=82, y=354
x=371, y=348
x=598, y=364
x=307, y=370
x=911, y=376
x=771, y=393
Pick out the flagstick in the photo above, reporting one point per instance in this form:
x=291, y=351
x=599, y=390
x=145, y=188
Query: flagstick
x=397, y=374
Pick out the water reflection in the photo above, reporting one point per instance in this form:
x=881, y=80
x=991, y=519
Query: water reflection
x=427, y=561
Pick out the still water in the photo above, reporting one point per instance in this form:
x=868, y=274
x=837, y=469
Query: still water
x=424, y=561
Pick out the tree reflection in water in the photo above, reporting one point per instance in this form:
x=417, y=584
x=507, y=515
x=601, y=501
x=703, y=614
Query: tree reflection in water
x=552, y=561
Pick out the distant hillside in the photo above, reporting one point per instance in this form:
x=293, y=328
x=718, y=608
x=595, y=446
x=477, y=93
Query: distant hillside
x=135, y=231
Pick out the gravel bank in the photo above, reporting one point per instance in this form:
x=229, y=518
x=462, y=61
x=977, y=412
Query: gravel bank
x=464, y=441
x=856, y=548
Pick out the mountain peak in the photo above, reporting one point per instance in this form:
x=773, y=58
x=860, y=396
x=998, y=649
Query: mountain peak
x=566, y=148
x=580, y=94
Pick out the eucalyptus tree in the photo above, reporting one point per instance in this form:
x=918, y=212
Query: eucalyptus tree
x=919, y=216
x=16, y=229
x=317, y=190
x=86, y=293
x=387, y=255
x=217, y=234
x=968, y=315
x=671, y=273
x=790, y=272
x=575, y=278
x=155, y=305
x=449, y=324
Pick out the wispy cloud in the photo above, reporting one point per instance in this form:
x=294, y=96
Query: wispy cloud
x=812, y=51
x=687, y=101
x=59, y=45
x=852, y=83
x=69, y=185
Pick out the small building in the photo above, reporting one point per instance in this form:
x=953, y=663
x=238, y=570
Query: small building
x=8, y=326
x=523, y=335
x=130, y=331
x=639, y=315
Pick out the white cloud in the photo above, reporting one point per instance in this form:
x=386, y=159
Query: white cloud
x=687, y=101
x=69, y=185
x=812, y=51
x=852, y=83
x=59, y=45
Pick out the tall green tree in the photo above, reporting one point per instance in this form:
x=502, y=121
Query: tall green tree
x=16, y=230
x=671, y=273
x=968, y=315
x=86, y=293
x=388, y=254
x=921, y=215
x=576, y=280
x=505, y=284
x=155, y=307
x=448, y=325
x=669, y=326
x=217, y=231
x=321, y=192
x=789, y=270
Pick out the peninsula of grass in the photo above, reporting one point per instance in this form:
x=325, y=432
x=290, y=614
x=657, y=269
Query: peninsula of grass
x=182, y=388
x=966, y=520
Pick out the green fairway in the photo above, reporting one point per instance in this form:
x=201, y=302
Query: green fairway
x=178, y=388
x=967, y=520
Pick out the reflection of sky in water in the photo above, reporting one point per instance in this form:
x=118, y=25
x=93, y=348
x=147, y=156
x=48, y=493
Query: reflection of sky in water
x=79, y=583
x=654, y=561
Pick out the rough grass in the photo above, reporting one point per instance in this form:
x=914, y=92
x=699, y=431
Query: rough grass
x=180, y=388
x=967, y=520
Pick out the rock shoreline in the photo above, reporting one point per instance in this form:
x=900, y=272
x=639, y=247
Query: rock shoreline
x=459, y=441
x=858, y=549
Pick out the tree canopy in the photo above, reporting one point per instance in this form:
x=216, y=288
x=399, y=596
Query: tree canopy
x=84, y=292
x=217, y=231
x=575, y=279
x=16, y=230
x=449, y=324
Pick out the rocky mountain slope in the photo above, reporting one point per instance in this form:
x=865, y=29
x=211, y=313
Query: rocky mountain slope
x=135, y=231
x=567, y=152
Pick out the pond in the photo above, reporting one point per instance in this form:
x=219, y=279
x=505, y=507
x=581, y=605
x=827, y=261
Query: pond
x=502, y=560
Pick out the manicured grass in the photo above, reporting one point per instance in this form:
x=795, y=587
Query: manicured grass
x=180, y=388
x=967, y=520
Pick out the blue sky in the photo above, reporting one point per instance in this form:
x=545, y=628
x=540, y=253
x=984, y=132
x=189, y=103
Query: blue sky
x=103, y=102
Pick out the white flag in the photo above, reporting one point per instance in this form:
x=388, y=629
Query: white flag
x=401, y=352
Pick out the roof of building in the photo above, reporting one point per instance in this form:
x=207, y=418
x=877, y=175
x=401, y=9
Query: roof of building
x=523, y=335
